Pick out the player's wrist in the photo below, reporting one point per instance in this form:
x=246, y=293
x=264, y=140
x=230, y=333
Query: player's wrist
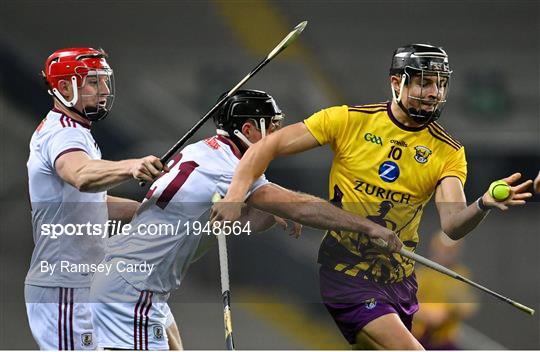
x=130, y=167
x=371, y=229
x=234, y=197
x=482, y=206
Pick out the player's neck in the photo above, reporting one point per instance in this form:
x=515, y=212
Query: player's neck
x=402, y=117
x=72, y=115
x=234, y=146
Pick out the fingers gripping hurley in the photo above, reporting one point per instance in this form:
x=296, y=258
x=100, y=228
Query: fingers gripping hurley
x=291, y=37
x=436, y=266
x=225, y=291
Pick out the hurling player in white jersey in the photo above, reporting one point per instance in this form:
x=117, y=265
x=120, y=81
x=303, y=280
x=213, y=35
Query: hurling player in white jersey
x=142, y=266
x=68, y=185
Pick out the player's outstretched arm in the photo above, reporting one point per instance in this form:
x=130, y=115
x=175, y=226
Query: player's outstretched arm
x=315, y=212
x=88, y=175
x=458, y=219
x=289, y=140
x=261, y=221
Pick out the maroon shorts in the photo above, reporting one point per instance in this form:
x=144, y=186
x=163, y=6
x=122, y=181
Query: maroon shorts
x=353, y=302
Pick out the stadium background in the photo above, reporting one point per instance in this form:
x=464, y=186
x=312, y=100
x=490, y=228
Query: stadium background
x=173, y=58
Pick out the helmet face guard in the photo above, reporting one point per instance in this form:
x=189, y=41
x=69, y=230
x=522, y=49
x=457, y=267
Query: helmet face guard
x=98, y=103
x=90, y=76
x=426, y=67
x=248, y=105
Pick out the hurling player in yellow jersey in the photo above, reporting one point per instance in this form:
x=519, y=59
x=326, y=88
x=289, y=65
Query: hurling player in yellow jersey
x=389, y=159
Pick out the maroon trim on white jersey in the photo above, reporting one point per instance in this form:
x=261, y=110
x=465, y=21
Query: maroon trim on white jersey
x=60, y=299
x=65, y=121
x=135, y=315
x=140, y=320
x=68, y=151
x=71, y=318
x=230, y=144
x=146, y=320
x=69, y=121
x=185, y=169
x=65, y=309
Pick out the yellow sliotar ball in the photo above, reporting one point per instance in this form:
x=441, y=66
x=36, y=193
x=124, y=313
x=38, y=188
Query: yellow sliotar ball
x=499, y=190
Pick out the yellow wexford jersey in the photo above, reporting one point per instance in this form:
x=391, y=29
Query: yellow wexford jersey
x=384, y=171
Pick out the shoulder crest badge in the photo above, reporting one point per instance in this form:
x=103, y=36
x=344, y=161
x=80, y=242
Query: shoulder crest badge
x=422, y=154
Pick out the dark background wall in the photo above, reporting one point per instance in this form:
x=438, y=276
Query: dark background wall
x=172, y=59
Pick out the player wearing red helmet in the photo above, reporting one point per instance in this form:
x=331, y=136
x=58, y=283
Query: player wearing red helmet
x=69, y=70
x=68, y=185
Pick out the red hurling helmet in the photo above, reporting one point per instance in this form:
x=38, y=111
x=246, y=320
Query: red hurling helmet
x=76, y=65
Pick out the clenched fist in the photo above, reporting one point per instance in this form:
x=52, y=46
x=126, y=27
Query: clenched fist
x=146, y=169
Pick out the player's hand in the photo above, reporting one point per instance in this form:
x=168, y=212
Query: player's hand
x=518, y=193
x=296, y=229
x=226, y=211
x=147, y=169
x=385, y=238
x=537, y=183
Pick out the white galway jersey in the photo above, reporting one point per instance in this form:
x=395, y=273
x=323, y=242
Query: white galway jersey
x=179, y=197
x=56, y=204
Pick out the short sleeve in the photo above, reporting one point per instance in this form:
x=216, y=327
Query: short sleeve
x=328, y=125
x=456, y=166
x=64, y=141
x=226, y=179
x=261, y=181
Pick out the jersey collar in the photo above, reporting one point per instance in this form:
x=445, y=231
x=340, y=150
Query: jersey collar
x=230, y=144
x=399, y=124
x=83, y=124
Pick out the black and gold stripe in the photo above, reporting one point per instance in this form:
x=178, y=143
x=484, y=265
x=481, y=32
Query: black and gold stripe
x=439, y=127
x=439, y=133
x=369, y=108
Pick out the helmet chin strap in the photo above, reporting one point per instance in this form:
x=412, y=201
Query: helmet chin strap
x=70, y=104
x=237, y=139
x=413, y=114
x=75, y=111
x=243, y=138
x=79, y=113
x=262, y=123
x=67, y=103
x=397, y=98
x=417, y=116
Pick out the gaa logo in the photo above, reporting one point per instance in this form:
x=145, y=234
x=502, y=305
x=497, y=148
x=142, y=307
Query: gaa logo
x=373, y=138
x=389, y=171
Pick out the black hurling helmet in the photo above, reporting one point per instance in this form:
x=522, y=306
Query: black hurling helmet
x=244, y=105
x=421, y=60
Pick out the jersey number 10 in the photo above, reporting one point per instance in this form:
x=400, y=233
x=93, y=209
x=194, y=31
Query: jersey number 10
x=395, y=153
